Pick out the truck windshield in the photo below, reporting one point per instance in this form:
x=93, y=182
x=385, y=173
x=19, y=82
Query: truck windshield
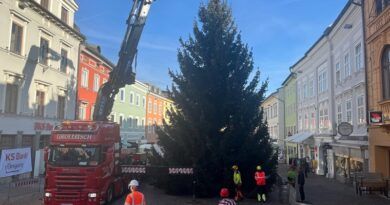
x=75, y=156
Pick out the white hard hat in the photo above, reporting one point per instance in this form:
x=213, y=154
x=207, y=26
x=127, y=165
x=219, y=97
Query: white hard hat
x=133, y=183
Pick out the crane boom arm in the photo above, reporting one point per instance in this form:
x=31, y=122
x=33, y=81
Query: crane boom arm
x=123, y=73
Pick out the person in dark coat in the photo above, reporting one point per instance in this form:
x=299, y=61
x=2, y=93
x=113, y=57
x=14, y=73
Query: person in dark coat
x=301, y=182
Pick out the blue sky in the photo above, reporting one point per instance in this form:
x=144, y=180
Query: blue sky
x=278, y=31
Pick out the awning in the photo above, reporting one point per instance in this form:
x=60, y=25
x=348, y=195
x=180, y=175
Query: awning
x=299, y=137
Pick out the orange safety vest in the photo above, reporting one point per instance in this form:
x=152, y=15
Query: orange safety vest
x=135, y=198
x=260, y=178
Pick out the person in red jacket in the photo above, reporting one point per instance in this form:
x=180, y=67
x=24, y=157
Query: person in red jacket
x=260, y=179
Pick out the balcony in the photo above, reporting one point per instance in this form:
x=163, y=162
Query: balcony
x=385, y=107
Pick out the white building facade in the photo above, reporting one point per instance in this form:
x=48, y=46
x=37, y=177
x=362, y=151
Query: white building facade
x=39, y=48
x=273, y=108
x=331, y=90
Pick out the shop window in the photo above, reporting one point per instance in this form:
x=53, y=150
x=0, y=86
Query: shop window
x=7, y=141
x=386, y=73
x=44, y=141
x=27, y=141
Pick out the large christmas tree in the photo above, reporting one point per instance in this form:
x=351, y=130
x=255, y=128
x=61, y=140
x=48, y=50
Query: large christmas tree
x=218, y=121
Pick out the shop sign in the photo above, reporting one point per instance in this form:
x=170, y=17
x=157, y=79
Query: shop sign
x=376, y=117
x=83, y=137
x=345, y=129
x=43, y=126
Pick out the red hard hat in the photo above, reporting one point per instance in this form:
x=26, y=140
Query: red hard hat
x=224, y=193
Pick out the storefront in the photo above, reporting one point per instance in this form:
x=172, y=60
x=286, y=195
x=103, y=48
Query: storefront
x=300, y=145
x=346, y=160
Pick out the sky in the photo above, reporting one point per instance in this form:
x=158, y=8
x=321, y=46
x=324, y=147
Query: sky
x=278, y=31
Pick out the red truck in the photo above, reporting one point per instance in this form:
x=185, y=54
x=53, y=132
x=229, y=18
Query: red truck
x=83, y=161
x=83, y=164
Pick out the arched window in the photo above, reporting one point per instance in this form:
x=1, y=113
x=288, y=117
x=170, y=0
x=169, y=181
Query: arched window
x=386, y=73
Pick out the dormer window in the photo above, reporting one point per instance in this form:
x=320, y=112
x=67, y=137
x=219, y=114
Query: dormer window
x=64, y=15
x=45, y=4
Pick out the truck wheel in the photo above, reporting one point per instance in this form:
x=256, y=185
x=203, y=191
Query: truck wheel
x=110, y=195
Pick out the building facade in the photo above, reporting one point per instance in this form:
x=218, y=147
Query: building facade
x=129, y=111
x=290, y=112
x=273, y=109
x=93, y=71
x=39, y=48
x=331, y=90
x=154, y=113
x=377, y=30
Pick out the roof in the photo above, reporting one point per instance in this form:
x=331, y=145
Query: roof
x=269, y=96
x=299, y=137
x=95, y=50
x=327, y=31
x=290, y=76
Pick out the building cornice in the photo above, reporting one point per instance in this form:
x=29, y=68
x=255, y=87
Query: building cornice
x=35, y=6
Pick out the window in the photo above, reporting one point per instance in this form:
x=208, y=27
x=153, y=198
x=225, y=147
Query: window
x=313, y=121
x=347, y=66
x=275, y=106
x=322, y=82
x=61, y=107
x=160, y=110
x=11, y=98
x=321, y=118
x=143, y=122
x=40, y=104
x=122, y=95
x=83, y=111
x=92, y=111
x=360, y=110
x=137, y=100
x=45, y=4
x=300, y=122
x=150, y=106
x=150, y=126
x=155, y=107
x=16, y=38
x=305, y=91
x=131, y=98
x=135, y=122
x=112, y=118
x=7, y=141
x=380, y=5
x=311, y=88
x=386, y=73
x=358, y=57
x=306, y=121
x=338, y=73
x=143, y=102
x=64, y=15
x=348, y=106
x=326, y=118
x=96, y=83
x=84, y=78
x=339, y=114
x=44, y=52
x=120, y=120
x=64, y=60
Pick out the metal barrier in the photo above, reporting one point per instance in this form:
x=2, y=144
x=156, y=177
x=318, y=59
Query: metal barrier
x=22, y=188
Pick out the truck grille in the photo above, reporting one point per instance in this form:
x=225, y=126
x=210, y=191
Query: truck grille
x=68, y=196
x=69, y=182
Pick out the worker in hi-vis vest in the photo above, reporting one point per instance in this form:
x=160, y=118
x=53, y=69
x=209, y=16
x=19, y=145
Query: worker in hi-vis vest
x=238, y=183
x=135, y=197
x=260, y=179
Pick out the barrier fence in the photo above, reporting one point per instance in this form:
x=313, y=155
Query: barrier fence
x=21, y=188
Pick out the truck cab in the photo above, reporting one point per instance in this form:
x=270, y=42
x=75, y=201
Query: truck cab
x=82, y=164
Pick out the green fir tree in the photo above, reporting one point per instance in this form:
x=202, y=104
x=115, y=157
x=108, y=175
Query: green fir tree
x=218, y=121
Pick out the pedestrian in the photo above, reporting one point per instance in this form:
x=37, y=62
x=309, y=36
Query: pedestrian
x=135, y=197
x=224, y=193
x=238, y=183
x=260, y=179
x=291, y=176
x=301, y=182
x=307, y=167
